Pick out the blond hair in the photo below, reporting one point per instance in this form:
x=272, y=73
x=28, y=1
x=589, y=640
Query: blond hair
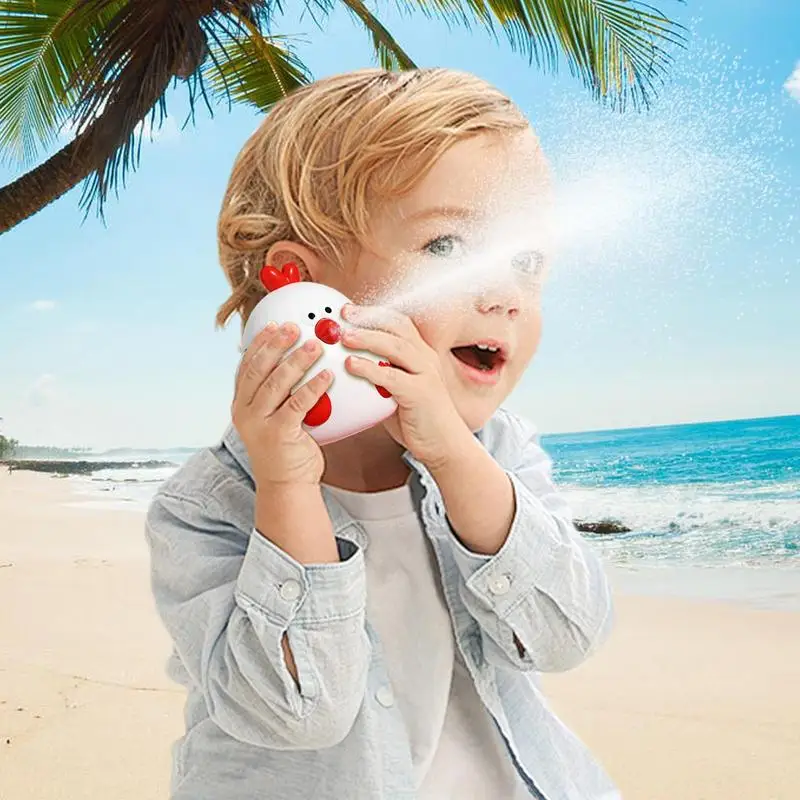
x=330, y=151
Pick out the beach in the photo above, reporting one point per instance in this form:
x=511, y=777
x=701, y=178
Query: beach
x=691, y=698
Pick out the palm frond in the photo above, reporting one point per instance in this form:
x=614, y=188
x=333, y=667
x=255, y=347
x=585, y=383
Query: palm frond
x=135, y=57
x=618, y=48
x=246, y=66
x=389, y=53
x=260, y=13
x=42, y=44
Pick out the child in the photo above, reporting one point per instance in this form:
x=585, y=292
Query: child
x=365, y=623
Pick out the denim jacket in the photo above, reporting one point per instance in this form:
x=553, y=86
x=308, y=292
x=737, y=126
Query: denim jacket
x=227, y=596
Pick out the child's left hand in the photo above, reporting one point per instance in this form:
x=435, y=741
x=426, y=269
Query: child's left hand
x=427, y=422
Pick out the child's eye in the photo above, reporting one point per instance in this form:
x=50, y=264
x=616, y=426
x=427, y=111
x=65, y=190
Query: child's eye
x=445, y=246
x=528, y=264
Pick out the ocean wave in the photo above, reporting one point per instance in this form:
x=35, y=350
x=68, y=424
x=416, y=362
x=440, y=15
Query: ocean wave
x=124, y=488
x=742, y=523
x=745, y=523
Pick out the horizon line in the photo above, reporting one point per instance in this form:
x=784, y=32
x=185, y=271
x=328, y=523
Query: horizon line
x=655, y=426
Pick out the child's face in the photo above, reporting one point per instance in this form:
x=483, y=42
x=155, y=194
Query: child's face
x=470, y=191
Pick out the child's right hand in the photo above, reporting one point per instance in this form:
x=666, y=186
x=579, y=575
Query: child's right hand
x=269, y=417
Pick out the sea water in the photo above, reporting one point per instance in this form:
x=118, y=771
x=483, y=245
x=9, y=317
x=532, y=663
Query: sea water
x=707, y=494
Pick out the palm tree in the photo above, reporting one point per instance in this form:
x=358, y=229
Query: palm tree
x=100, y=69
x=7, y=447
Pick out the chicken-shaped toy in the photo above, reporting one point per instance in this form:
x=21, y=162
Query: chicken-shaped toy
x=351, y=404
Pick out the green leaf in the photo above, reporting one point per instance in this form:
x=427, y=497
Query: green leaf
x=256, y=71
x=40, y=51
x=252, y=68
x=389, y=53
x=619, y=48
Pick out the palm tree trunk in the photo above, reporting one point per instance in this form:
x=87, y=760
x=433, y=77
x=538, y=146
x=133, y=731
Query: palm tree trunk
x=38, y=188
x=87, y=152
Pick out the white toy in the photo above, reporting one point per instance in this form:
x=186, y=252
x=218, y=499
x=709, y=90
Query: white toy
x=351, y=404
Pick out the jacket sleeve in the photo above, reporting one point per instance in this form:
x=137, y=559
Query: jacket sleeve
x=227, y=598
x=543, y=602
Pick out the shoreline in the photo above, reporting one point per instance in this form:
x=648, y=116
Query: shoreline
x=773, y=586
x=64, y=467
x=687, y=700
x=84, y=468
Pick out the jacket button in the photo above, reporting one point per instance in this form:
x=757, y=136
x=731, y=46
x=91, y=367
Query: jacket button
x=385, y=696
x=290, y=590
x=499, y=584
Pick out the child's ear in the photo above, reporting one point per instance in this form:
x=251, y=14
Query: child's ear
x=285, y=252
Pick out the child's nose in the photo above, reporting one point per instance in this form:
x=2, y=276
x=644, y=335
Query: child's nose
x=328, y=331
x=506, y=301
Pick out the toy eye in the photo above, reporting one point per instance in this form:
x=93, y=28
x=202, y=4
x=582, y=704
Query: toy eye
x=311, y=315
x=328, y=309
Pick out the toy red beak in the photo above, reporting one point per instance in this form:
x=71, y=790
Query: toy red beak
x=328, y=331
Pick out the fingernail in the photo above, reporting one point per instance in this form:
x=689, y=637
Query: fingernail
x=272, y=327
x=310, y=345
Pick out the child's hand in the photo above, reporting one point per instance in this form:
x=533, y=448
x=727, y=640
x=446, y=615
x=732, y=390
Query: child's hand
x=427, y=422
x=269, y=418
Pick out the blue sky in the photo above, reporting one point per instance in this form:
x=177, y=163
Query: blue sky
x=675, y=309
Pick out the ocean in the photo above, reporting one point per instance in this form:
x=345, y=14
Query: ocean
x=708, y=494
x=696, y=498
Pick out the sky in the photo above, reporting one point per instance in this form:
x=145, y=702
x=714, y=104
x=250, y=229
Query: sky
x=674, y=297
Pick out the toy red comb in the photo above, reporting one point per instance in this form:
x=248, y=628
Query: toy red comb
x=272, y=279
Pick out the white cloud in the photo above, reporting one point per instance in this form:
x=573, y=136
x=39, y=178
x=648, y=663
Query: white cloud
x=43, y=305
x=792, y=84
x=42, y=390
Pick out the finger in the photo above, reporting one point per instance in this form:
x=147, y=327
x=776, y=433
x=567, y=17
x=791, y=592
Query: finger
x=294, y=410
x=251, y=354
x=395, y=381
x=262, y=337
x=276, y=388
x=260, y=359
x=380, y=318
x=400, y=352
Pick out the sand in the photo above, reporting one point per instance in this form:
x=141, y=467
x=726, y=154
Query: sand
x=689, y=700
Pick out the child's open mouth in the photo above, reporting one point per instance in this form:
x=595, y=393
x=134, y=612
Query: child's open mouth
x=481, y=362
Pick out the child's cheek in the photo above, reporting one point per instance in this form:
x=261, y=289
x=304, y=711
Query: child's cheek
x=434, y=327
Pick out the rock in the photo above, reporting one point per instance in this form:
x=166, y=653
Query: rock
x=79, y=467
x=603, y=526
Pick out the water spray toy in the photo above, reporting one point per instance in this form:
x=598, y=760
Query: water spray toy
x=351, y=404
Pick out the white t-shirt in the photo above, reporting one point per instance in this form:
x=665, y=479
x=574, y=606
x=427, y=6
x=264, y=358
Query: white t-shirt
x=456, y=750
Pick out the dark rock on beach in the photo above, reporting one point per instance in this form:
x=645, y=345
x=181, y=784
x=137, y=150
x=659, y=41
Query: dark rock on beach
x=79, y=467
x=604, y=526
